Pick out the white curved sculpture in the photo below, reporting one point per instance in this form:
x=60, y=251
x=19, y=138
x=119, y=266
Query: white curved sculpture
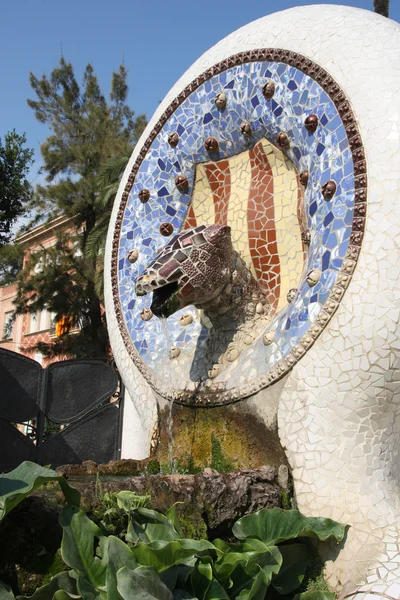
x=339, y=407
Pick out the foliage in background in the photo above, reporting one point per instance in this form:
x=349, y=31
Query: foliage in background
x=87, y=130
x=11, y=259
x=27, y=477
x=107, y=183
x=157, y=563
x=15, y=189
x=114, y=511
x=381, y=7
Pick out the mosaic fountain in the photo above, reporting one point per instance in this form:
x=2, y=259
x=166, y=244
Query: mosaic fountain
x=255, y=266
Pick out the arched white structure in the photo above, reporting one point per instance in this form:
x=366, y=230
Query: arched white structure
x=339, y=412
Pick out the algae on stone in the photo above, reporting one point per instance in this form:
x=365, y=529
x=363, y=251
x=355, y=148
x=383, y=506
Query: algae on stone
x=245, y=440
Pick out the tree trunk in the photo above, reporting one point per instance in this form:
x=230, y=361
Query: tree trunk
x=381, y=7
x=97, y=330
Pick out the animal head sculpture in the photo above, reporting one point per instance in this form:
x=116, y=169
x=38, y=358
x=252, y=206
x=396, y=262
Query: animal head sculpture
x=192, y=269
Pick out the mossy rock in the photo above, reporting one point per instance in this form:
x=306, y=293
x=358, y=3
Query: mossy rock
x=38, y=572
x=192, y=522
x=241, y=439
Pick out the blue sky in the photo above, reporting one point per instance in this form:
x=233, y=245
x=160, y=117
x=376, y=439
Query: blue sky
x=158, y=39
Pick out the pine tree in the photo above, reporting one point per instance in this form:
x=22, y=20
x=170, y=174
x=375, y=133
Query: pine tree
x=11, y=259
x=108, y=184
x=381, y=7
x=15, y=189
x=87, y=131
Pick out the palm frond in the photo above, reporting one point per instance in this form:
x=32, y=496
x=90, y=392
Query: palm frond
x=96, y=239
x=99, y=277
x=106, y=196
x=113, y=170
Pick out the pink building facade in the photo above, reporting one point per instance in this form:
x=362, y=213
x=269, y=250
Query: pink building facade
x=21, y=333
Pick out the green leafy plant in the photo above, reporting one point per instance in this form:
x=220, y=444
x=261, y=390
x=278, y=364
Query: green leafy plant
x=219, y=461
x=157, y=563
x=27, y=477
x=114, y=511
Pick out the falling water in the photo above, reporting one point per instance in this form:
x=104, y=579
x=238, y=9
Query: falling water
x=170, y=422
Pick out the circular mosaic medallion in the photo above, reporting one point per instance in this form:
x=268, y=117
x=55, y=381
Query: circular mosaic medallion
x=266, y=143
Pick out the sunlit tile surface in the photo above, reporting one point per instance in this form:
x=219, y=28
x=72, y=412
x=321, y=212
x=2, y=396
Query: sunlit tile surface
x=254, y=187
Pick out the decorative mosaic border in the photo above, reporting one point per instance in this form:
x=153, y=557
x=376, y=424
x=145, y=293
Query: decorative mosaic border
x=338, y=97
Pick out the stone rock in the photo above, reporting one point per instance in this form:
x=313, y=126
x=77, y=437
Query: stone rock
x=283, y=476
x=115, y=467
x=218, y=498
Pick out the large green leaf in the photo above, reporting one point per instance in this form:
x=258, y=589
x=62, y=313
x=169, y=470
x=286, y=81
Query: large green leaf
x=184, y=571
x=170, y=577
x=147, y=525
x=5, y=592
x=163, y=555
x=249, y=562
x=229, y=563
x=270, y=561
x=274, y=525
x=27, y=477
x=216, y=592
x=315, y=596
x=291, y=573
x=201, y=579
x=182, y=595
x=119, y=556
x=245, y=578
x=173, y=519
x=203, y=582
x=224, y=546
x=143, y=583
x=78, y=551
x=64, y=582
x=258, y=587
x=130, y=501
x=63, y=595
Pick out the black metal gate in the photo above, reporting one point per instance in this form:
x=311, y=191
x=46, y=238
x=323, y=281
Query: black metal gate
x=71, y=411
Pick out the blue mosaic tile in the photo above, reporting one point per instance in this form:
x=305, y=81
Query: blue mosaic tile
x=326, y=154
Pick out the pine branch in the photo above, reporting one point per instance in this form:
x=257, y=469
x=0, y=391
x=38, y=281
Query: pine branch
x=381, y=7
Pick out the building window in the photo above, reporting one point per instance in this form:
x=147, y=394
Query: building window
x=77, y=248
x=8, y=325
x=53, y=323
x=34, y=323
x=38, y=268
x=40, y=321
x=44, y=321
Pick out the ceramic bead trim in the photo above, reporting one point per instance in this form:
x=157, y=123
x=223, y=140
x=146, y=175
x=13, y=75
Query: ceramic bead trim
x=245, y=128
x=282, y=140
x=133, y=255
x=179, y=212
x=220, y=100
x=311, y=123
x=211, y=144
x=328, y=190
x=182, y=183
x=166, y=229
x=144, y=196
x=173, y=139
x=304, y=175
x=146, y=314
x=268, y=90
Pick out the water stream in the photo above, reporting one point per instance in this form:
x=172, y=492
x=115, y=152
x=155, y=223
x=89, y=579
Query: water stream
x=172, y=467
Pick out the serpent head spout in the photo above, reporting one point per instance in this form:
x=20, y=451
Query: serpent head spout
x=192, y=269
